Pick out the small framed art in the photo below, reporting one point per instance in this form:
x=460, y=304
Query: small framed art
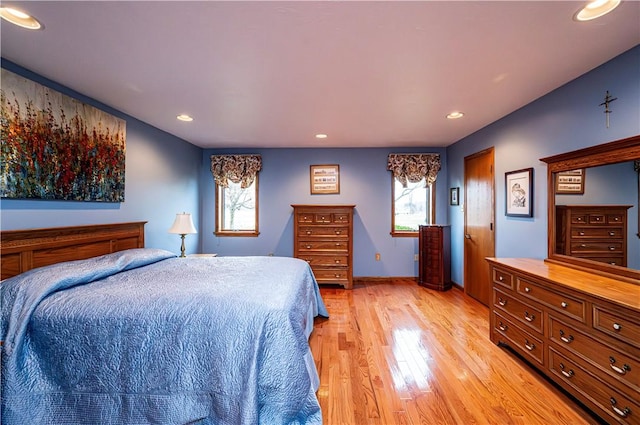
x=519, y=193
x=570, y=182
x=325, y=179
x=454, y=194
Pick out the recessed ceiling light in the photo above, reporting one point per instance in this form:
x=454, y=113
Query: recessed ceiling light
x=20, y=18
x=185, y=117
x=455, y=115
x=595, y=9
x=321, y=136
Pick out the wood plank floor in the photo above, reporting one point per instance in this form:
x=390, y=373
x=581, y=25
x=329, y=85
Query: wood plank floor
x=395, y=353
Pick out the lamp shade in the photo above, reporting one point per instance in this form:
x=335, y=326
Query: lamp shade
x=183, y=225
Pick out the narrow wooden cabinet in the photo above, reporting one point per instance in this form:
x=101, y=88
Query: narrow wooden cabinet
x=323, y=236
x=593, y=232
x=434, y=257
x=580, y=329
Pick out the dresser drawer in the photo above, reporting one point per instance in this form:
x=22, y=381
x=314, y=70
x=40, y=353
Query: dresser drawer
x=323, y=246
x=613, y=362
x=330, y=275
x=597, y=232
x=617, y=324
x=571, y=307
x=324, y=231
x=519, y=339
x=616, y=404
x=581, y=246
x=522, y=312
x=326, y=260
x=502, y=277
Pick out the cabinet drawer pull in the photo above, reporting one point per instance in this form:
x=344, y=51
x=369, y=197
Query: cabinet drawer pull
x=502, y=327
x=308, y=247
x=337, y=275
x=527, y=289
x=500, y=278
x=581, y=233
x=338, y=244
x=337, y=261
x=617, y=326
x=612, y=248
x=623, y=413
x=502, y=302
x=564, y=304
x=338, y=232
x=565, y=339
x=568, y=373
x=528, y=346
x=621, y=370
x=612, y=233
x=308, y=232
x=529, y=317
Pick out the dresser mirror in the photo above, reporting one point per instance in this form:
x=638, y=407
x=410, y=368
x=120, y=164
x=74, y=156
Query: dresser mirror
x=608, y=178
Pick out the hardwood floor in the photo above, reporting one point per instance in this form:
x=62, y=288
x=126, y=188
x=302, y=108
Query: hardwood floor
x=396, y=353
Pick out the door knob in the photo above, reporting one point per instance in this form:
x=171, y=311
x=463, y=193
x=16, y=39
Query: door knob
x=467, y=236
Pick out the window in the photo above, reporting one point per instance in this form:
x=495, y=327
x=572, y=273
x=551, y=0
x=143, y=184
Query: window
x=237, y=210
x=411, y=207
x=236, y=182
x=413, y=178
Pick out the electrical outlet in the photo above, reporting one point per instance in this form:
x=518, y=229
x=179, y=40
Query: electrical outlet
x=415, y=257
x=377, y=256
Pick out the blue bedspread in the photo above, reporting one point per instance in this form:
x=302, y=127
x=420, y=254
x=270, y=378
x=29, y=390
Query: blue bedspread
x=142, y=337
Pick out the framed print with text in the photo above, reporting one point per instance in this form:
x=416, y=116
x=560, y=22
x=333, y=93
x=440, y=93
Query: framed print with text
x=325, y=179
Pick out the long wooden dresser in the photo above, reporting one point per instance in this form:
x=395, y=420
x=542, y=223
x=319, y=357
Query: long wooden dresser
x=593, y=232
x=323, y=236
x=580, y=329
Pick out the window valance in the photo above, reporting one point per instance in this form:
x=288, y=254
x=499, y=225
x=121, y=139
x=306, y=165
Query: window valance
x=414, y=167
x=237, y=168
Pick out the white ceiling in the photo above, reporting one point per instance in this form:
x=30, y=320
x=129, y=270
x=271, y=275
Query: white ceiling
x=273, y=74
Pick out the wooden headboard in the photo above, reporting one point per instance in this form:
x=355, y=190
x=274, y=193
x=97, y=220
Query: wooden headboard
x=22, y=250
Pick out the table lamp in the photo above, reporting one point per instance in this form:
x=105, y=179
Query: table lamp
x=183, y=225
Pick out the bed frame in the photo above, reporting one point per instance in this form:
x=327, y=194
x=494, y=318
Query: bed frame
x=22, y=250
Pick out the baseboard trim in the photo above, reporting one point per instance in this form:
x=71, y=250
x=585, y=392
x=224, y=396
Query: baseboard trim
x=361, y=279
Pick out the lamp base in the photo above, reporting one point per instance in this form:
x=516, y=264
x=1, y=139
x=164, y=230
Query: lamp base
x=182, y=246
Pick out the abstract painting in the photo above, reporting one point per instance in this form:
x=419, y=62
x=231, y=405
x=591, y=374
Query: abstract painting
x=56, y=147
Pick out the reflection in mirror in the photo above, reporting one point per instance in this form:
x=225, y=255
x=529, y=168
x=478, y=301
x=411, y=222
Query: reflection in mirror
x=600, y=221
x=610, y=179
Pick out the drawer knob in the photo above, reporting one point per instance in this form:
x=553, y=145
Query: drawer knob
x=337, y=244
x=579, y=219
x=621, y=370
x=529, y=317
x=308, y=232
x=308, y=246
x=338, y=232
x=583, y=245
x=337, y=261
x=568, y=373
x=617, y=326
x=529, y=346
x=500, y=278
x=612, y=248
x=565, y=339
x=581, y=233
x=337, y=275
x=564, y=304
x=502, y=327
x=623, y=413
x=527, y=289
x=612, y=233
x=502, y=302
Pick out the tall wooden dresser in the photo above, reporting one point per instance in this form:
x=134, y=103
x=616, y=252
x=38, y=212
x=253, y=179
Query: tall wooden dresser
x=434, y=265
x=323, y=236
x=580, y=329
x=593, y=232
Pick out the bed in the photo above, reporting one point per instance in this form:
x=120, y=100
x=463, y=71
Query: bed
x=97, y=329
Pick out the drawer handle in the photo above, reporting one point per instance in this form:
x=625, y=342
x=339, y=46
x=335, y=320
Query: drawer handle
x=308, y=232
x=621, y=370
x=338, y=244
x=617, y=326
x=337, y=275
x=597, y=218
x=616, y=219
x=564, y=304
x=581, y=233
x=502, y=327
x=528, y=346
x=583, y=245
x=568, y=374
x=612, y=248
x=337, y=261
x=502, y=302
x=308, y=246
x=612, y=233
x=565, y=339
x=500, y=278
x=527, y=289
x=579, y=219
x=322, y=218
x=338, y=232
x=529, y=317
x=620, y=412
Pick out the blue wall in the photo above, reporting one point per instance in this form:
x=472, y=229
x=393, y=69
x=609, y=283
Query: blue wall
x=364, y=181
x=162, y=178
x=566, y=119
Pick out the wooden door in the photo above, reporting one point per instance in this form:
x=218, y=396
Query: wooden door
x=479, y=241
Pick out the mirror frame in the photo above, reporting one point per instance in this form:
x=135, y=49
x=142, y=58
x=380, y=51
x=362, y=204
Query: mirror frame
x=607, y=153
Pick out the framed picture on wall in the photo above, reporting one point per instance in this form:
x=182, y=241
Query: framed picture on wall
x=519, y=193
x=570, y=182
x=454, y=193
x=325, y=179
